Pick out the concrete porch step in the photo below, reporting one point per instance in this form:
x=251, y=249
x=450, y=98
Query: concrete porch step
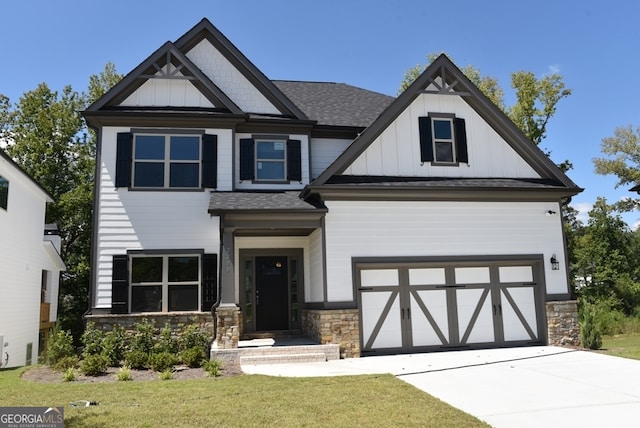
x=319, y=357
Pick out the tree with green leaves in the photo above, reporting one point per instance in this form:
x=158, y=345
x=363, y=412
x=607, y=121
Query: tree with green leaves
x=606, y=260
x=623, y=160
x=47, y=136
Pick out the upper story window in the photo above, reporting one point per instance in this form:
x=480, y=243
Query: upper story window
x=166, y=161
x=270, y=160
x=443, y=139
x=4, y=192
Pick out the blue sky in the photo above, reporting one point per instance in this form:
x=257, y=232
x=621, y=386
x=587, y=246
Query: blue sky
x=369, y=44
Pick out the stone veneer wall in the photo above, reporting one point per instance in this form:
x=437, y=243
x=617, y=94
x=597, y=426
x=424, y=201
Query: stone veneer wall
x=340, y=326
x=562, y=323
x=228, y=328
x=178, y=321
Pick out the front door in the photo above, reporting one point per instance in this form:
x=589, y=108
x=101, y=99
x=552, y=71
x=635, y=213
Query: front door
x=272, y=293
x=272, y=290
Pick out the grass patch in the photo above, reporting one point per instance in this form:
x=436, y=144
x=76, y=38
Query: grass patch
x=247, y=400
x=622, y=345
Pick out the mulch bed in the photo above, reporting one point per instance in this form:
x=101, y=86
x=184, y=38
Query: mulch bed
x=46, y=374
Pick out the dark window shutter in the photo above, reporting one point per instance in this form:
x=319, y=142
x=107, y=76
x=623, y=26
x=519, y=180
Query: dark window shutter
x=120, y=285
x=209, y=281
x=461, y=140
x=426, y=141
x=246, y=159
x=209, y=160
x=123, y=159
x=294, y=161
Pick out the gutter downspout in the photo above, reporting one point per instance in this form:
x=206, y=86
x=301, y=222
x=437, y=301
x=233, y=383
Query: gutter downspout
x=219, y=291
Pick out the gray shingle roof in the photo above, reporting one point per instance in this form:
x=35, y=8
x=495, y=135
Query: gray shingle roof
x=335, y=104
x=257, y=201
x=445, y=182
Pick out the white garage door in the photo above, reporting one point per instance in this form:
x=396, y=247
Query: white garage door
x=455, y=305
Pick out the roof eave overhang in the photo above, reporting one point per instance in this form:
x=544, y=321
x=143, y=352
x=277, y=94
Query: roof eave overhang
x=271, y=222
x=436, y=193
x=164, y=119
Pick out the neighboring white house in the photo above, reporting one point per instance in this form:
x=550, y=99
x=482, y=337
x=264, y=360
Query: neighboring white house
x=418, y=223
x=30, y=267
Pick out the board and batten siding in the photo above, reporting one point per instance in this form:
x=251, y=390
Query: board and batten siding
x=426, y=228
x=314, y=289
x=227, y=77
x=149, y=220
x=396, y=151
x=324, y=151
x=23, y=256
x=161, y=92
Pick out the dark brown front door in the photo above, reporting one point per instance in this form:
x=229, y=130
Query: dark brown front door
x=272, y=293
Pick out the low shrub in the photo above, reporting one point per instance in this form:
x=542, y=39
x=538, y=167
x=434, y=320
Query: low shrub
x=69, y=375
x=193, y=357
x=162, y=361
x=137, y=360
x=94, y=365
x=213, y=368
x=114, y=345
x=124, y=374
x=144, y=337
x=166, y=341
x=193, y=336
x=65, y=363
x=60, y=346
x=166, y=375
x=591, y=327
x=92, y=340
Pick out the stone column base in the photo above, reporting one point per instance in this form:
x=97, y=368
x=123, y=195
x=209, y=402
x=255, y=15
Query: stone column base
x=562, y=323
x=228, y=329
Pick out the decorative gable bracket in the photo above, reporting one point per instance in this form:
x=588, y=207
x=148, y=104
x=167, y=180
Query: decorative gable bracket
x=168, y=72
x=444, y=83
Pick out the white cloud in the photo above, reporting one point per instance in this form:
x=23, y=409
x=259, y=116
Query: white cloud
x=583, y=209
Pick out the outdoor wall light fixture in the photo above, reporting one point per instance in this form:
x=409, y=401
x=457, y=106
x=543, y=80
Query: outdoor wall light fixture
x=555, y=265
x=550, y=213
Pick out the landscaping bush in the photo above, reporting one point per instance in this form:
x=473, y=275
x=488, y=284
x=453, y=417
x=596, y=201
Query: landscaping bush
x=92, y=340
x=166, y=341
x=114, y=345
x=60, y=346
x=166, y=375
x=69, y=375
x=137, y=360
x=590, y=327
x=193, y=357
x=124, y=374
x=66, y=363
x=162, y=361
x=94, y=365
x=144, y=337
x=213, y=368
x=193, y=336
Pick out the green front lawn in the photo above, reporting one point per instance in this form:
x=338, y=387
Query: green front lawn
x=245, y=400
x=622, y=345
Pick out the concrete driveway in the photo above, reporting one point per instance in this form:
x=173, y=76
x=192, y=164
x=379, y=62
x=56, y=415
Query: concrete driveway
x=517, y=387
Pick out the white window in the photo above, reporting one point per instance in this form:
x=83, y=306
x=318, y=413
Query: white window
x=443, y=140
x=165, y=283
x=271, y=160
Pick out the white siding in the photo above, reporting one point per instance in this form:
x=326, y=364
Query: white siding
x=159, y=220
x=229, y=79
x=161, y=92
x=396, y=151
x=324, y=151
x=23, y=257
x=294, y=185
x=405, y=228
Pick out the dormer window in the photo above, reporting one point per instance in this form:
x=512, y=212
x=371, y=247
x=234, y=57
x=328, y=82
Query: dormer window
x=443, y=139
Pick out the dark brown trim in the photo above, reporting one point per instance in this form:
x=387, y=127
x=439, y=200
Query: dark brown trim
x=558, y=297
x=163, y=119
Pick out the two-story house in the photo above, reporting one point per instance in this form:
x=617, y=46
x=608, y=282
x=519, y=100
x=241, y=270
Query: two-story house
x=422, y=222
x=30, y=266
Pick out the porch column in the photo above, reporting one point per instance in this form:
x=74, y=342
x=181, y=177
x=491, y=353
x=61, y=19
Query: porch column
x=227, y=266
